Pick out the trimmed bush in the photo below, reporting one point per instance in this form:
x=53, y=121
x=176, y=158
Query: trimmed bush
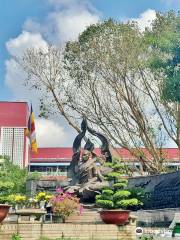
x=125, y=203
x=121, y=194
x=105, y=203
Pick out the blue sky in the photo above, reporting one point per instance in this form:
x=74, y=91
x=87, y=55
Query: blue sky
x=12, y=16
x=14, y=13
x=28, y=23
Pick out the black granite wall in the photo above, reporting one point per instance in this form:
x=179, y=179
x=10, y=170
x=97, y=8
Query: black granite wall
x=162, y=191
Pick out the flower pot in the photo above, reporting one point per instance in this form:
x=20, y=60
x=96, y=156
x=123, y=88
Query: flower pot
x=42, y=204
x=118, y=217
x=4, y=209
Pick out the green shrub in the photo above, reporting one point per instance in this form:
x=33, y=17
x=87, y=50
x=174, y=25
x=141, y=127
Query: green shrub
x=3, y=199
x=13, y=178
x=98, y=197
x=117, y=196
x=126, y=203
x=121, y=194
x=6, y=186
x=118, y=167
x=105, y=203
x=108, y=164
x=107, y=192
x=113, y=176
x=123, y=180
x=138, y=193
x=119, y=185
x=3, y=173
x=34, y=176
x=16, y=237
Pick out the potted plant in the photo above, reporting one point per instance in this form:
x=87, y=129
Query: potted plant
x=20, y=201
x=5, y=187
x=65, y=204
x=12, y=180
x=116, y=200
x=42, y=198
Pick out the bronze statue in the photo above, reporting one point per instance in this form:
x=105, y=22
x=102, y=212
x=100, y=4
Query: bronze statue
x=86, y=172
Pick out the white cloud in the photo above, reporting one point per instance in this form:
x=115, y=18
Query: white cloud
x=49, y=133
x=65, y=22
x=15, y=76
x=68, y=24
x=145, y=19
x=17, y=46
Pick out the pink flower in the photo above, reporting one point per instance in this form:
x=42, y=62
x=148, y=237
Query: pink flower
x=59, y=190
x=67, y=194
x=81, y=209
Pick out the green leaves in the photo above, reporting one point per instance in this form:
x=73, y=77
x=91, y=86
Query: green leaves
x=6, y=186
x=121, y=194
x=125, y=203
x=119, y=185
x=171, y=88
x=164, y=41
x=105, y=203
x=113, y=176
x=12, y=179
x=107, y=192
x=119, y=197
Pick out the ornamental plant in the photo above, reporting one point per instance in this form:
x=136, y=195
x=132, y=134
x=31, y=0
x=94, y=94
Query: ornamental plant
x=117, y=196
x=65, y=204
x=20, y=199
x=12, y=180
x=16, y=199
x=5, y=188
x=41, y=196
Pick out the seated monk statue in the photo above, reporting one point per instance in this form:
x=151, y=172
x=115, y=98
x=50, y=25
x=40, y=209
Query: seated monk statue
x=86, y=169
x=89, y=168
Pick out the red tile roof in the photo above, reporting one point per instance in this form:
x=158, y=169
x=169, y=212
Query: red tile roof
x=168, y=153
x=54, y=155
x=13, y=114
x=65, y=154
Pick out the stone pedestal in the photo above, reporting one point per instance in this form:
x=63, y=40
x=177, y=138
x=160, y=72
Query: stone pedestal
x=30, y=215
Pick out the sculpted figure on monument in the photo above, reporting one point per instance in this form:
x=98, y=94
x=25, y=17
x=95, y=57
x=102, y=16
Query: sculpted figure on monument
x=86, y=169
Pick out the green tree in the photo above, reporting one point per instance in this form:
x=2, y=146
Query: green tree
x=106, y=75
x=13, y=175
x=111, y=83
x=164, y=39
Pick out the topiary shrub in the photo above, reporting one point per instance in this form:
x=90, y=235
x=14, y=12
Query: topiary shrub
x=118, y=196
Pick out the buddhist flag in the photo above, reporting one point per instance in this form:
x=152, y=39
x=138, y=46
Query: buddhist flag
x=30, y=132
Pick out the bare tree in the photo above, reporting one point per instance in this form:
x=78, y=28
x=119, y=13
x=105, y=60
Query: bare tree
x=45, y=72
